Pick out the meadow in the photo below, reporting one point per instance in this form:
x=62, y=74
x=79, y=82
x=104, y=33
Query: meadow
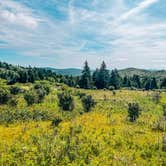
x=43, y=134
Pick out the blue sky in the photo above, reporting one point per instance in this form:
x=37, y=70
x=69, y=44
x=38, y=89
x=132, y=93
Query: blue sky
x=64, y=33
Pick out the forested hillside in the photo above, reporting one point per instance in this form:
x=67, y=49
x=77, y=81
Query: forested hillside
x=99, y=79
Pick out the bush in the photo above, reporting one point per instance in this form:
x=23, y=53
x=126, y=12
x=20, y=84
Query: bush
x=164, y=110
x=15, y=90
x=43, y=87
x=56, y=121
x=30, y=97
x=88, y=102
x=13, y=102
x=111, y=88
x=11, y=116
x=41, y=93
x=66, y=101
x=156, y=97
x=4, y=95
x=80, y=94
x=133, y=111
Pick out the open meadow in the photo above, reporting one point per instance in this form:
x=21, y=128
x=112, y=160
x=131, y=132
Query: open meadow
x=44, y=134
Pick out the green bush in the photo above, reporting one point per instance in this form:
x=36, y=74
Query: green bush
x=164, y=110
x=30, y=97
x=44, y=87
x=156, y=97
x=4, y=95
x=15, y=90
x=111, y=88
x=88, y=102
x=80, y=94
x=41, y=93
x=133, y=111
x=66, y=101
x=11, y=116
x=56, y=121
x=13, y=102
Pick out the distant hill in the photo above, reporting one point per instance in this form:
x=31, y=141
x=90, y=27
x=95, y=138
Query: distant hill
x=142, y=72
x=68, y=71
x=129, y=72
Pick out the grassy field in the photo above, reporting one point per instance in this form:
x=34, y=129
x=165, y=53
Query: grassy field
x=102, y=137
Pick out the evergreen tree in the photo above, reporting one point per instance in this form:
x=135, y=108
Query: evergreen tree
x=95, y=77
x=115, y=79
x=147, y=84
x=163, y=83
x=153, y=84
x=102, y=77
x=136, y=81
x=126, y=82
x=85, y=80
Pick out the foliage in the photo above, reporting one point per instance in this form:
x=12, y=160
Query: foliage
x=85, y=80
x=88, y=103
x=156, y=97
x=15, y=90
x=30, y=97
x=11, y=116
x=133, y=111
x=66, y=101
x=4, y=95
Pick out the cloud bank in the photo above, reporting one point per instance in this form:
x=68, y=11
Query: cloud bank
x=66, y=33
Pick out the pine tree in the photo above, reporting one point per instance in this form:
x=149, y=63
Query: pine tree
x=136, y=81
x=102, y=77
x=85, y=81
x=126, y=82
x=163, y=83
x=95, y=77
x=115, y=79
x=153, y=84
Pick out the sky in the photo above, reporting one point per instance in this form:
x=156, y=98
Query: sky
x=65, y=33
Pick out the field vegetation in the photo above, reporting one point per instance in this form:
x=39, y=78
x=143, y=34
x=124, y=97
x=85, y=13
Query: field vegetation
x=46, y=122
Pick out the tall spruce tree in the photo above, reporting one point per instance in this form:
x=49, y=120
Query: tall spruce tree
x=95, y=77
x=115, y=79
x=102, y=77
x=85, y=80
x=136, y=81
x=153, y=84
x=163, y=83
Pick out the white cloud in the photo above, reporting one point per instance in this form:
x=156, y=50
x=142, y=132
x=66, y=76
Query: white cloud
x=17, y=14
x=106, y=30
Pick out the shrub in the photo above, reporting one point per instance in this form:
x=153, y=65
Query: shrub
x=164, y=110
x=66, y=101
x=111, y=88
x=164, y=143
x=114, y=92
x=4, y=95
x=30, y=97
x=80, y=94
x=133, y=111
x=15, y=90
x=13, y=102
x=11, y=116
x=41, y=115
x=156, y=97
x=88, y=102
x=43, y=87
x=56, y=121
x=41, y=93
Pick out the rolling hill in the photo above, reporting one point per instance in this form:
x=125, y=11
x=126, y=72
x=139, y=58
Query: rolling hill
x=123, y=72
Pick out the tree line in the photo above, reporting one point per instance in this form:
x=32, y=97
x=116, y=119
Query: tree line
x=101, y=78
